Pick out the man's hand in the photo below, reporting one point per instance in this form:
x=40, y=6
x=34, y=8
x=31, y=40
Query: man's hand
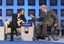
x=31, y=16
x=19, y=22
x=55, y=24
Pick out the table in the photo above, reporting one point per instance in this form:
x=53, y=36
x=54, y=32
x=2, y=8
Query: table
x=27, y=31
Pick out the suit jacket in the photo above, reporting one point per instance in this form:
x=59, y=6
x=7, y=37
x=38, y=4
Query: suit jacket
x=14, y=20
x=51, y=17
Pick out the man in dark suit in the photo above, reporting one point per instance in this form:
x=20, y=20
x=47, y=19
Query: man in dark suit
x=17, y=19
x=47, y=18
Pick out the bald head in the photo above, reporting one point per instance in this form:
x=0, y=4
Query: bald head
x=43, y=8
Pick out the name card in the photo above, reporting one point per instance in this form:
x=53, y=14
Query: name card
x=26, y=24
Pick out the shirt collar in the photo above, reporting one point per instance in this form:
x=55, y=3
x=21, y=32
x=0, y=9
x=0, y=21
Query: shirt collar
x=18, y=14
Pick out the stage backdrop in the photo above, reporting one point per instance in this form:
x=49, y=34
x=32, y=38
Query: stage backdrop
x=8, y=7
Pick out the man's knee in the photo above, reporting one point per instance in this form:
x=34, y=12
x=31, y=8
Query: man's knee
x=39, y=24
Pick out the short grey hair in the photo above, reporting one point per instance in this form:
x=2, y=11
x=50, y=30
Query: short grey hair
x=43, y=6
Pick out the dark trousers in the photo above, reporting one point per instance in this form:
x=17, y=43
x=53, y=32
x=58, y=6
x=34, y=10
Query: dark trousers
x=12, y=32
x=42, y=28
x=14, y=25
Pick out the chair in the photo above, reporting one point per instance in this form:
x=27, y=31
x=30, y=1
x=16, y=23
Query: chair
x=7, y=27
x=54, y=31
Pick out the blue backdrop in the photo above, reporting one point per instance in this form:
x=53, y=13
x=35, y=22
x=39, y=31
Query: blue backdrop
x=7, y=7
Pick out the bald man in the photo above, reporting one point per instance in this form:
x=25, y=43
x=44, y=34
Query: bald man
x=47, y=18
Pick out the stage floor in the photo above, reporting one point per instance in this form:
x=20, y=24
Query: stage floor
x=18, y=38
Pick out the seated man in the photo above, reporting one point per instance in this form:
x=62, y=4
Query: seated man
x=17, y=19
x=47, y=18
